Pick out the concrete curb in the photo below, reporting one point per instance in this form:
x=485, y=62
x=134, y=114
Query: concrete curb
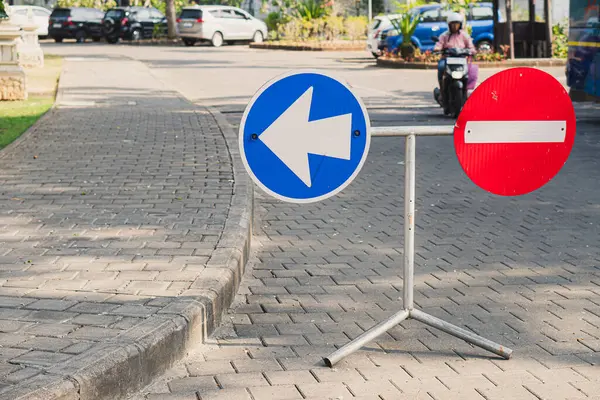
x=543, y=62
x=299, y=47
x=125, y=364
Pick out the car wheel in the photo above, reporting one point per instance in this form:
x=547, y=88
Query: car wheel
x=189, y=42
x=136, y=35
x=58, y=40
x=217, y=39
x=80, y=36
x=112, y=39
x=484, y=46
x=258, y=37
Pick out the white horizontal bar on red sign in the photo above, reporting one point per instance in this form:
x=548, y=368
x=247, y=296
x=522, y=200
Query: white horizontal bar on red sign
x=515, y=131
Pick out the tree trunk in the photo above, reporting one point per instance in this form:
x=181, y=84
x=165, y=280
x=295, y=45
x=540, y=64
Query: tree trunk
x=171, y=22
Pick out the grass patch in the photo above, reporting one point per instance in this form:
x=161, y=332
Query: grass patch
x=17, y=116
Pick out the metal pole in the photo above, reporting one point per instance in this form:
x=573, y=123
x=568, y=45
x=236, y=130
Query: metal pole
x=394, y=131
x=409, y=222
x=548, y=21
x=461, y=333
x=366, y=337
x=509, y=25
x=370, y=10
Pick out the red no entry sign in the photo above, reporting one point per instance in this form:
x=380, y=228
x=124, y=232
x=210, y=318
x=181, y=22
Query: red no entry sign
x=515, y=132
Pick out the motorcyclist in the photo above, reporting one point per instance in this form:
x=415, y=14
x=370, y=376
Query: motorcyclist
x=454, y=38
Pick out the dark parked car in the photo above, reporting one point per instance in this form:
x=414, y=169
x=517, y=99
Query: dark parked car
x=75, y=23
x=133, y=23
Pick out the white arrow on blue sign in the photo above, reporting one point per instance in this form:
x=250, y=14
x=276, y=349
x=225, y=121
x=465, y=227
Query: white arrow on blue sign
x=304, y=137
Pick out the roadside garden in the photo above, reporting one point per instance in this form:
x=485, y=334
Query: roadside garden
x=312, y=24
x=407, y=53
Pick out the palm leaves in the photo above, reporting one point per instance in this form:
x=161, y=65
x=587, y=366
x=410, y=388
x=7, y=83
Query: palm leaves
x=311, y=9
x=406, y=26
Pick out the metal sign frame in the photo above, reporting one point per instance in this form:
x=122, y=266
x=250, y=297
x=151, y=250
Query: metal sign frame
x=409, y=311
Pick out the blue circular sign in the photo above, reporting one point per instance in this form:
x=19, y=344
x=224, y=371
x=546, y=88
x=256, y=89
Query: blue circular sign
x=304, y=137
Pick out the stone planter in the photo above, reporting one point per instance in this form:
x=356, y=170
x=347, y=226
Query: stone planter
x=13, y=82
x=29, y=50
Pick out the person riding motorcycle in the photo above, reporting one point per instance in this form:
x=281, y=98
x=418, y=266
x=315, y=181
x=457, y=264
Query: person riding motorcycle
x=455, y=37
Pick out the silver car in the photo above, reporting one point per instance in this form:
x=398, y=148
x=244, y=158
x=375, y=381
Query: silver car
x=218, y=24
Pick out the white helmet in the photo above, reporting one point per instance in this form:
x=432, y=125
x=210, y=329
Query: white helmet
x=455, y=17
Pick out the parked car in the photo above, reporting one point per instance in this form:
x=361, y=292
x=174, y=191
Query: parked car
x=480, y=17
x=41, y=17
x=133, y=23
x=218, y=24
x=379, y=24
x=75, y=23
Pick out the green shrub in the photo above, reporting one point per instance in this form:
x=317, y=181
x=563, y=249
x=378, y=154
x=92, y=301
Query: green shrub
x=334, y=27
x=356, y=27
x=560, y=47
x=311, y=9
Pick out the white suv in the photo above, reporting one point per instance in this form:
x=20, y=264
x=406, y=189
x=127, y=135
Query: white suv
x=218, y=24
x=379, y=24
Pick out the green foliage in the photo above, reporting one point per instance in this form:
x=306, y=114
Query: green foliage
x=334, y=27
x=311, y=9
x=158, y=32
x=99, y=4
x=3, y=14
x=161, y=5
x=560, y=35
x=356, y=27
x=406, y=26
x=233, y=3
x=274, y=21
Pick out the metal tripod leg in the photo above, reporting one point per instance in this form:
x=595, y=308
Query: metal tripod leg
x=366, y=337
x=461, y=333
x=408, y=284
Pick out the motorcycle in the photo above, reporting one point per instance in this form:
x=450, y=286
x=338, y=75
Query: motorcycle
x=455, y=82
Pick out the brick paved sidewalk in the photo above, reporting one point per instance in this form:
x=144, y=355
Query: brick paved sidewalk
x=521, y=271
x=112, y=206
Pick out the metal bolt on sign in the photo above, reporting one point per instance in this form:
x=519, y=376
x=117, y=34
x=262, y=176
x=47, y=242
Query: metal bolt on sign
x=410, y=133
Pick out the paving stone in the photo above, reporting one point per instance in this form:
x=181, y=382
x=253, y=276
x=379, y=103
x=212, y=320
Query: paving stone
x=46, y=343
x=225, y=394
x=331, y=390
x=283, y=392
x=43, y=358
x=171, y=396
x=51, y=330
x=241, y=380
x=383, y=388
x=205, y=368
x=193, y=384
x=20, y=374
x=290, y=377
x=93, y=333
x=256, y=365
